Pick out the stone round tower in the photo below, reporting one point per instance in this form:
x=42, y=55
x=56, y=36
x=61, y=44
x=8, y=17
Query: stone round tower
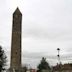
x=15, y=64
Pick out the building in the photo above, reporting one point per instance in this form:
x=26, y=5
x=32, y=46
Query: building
x=15, y=64
x=63, y=68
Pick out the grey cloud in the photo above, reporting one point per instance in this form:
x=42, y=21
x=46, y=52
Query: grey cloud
x=47, y=33
x=69, y=50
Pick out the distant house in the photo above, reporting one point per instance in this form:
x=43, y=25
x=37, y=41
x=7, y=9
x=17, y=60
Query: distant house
x=33, y=70
x=63, y=68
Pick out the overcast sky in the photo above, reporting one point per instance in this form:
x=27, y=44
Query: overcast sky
x=46, y=26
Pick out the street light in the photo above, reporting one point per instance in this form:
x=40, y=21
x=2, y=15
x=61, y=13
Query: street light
x=58, y=49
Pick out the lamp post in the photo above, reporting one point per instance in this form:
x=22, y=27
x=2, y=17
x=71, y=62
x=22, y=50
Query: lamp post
x=58, y=49
x=59, y=64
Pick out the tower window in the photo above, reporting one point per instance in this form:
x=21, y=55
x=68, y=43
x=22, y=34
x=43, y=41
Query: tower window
x=16, y=51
